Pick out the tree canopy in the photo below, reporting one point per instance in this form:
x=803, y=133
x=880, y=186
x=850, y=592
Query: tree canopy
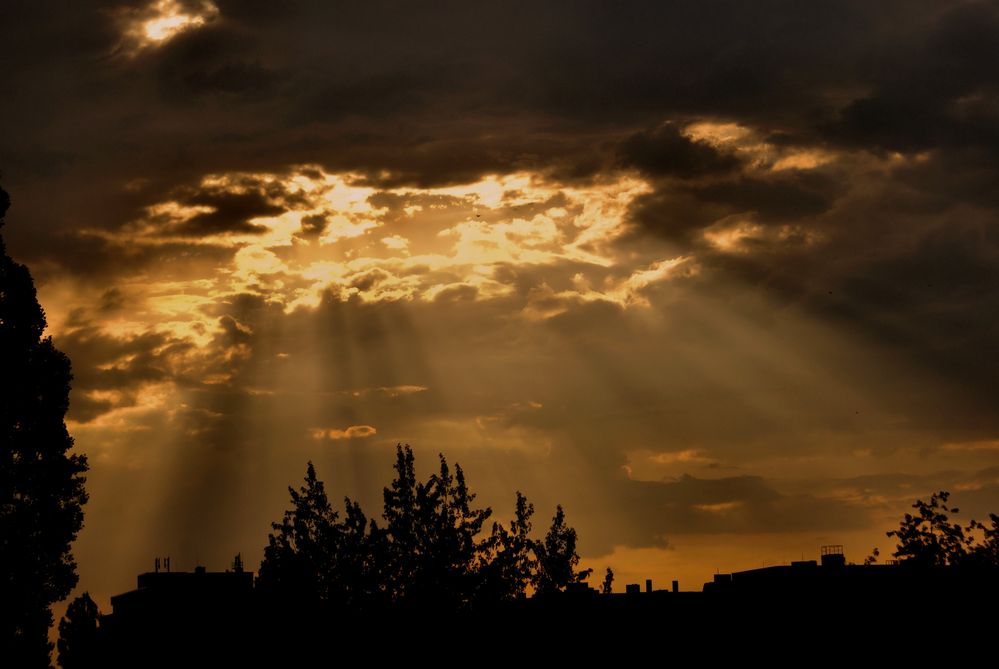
x=930, y=538
x=557, y=557
x=41, y=483
x=431, y=551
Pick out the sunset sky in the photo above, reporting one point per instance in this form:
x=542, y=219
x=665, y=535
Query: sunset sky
x=720, y=277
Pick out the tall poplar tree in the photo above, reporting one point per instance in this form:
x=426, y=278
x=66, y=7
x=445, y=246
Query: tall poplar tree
x=41, y=483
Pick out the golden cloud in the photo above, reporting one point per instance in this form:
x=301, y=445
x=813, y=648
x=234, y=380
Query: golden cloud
x=336, y=434
x=163, y=20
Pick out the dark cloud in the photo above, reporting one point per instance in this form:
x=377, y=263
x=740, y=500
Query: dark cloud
x=112, y=300
x=465, y=93
x=100, y=261
x=794, y=196
x=681, y=211
x=110, y=373
x=937, y=90
x=230, y=212
x=314, y=225
x=237, y=78
x=665, y=151
x=726, y=505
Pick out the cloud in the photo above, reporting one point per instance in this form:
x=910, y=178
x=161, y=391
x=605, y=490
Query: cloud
x=665, y=151
x=982, y=445
x=656, y=513
x=163, y=20
x=227, y=212
x=392, y=391
x=336, y=434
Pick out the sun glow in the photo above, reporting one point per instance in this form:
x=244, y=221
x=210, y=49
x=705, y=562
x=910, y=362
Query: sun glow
x=545, y=248
x=336, y=234
x=165, y=19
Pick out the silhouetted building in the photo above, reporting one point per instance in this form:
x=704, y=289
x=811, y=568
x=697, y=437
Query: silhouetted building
x=580, y=589
x=171, y=613
x=832, y=579
x=833, y=556
x=158, y=593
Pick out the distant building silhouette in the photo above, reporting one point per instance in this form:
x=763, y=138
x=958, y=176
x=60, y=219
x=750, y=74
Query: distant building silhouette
x=204, y=618
x=172, y=614
x=832, y=578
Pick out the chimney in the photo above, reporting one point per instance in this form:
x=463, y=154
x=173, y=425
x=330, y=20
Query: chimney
x=648, y=585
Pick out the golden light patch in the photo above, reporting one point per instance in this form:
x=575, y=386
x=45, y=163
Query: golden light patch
x=330, y=234
x=387, y=391
x=737, y=235
x=986, y=445
x=695, y=455
x=752, y=147
x=161, y=21
x=544, y=302
x=720, y=507
x=802, y=160
x=648, y=465
x=732, y=237
x=336, y=434
x=629, y=291
x=445, y=238
x=717, y=133
x=154, y=398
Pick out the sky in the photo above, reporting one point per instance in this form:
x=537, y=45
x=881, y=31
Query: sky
x=718, y=277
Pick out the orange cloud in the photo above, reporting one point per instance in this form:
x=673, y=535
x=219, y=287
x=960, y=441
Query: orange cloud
x=352, y=432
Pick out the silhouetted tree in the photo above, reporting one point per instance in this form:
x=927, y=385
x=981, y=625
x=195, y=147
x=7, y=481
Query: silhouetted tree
x=314, y=559
x=359, y=560
x=607, y=587
x=79, y=640
x=448, y=547
x=873, y=557
x=508, y=561
x=929, y=538
x=41, y=484
x=987, y=552
x=298, y=559
x=430, y=554
x=431, y=529
x=557, y=557
x=401, y=515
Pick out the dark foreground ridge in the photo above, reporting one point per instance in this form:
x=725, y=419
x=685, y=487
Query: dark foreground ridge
x=430, y=582
x=202, y=618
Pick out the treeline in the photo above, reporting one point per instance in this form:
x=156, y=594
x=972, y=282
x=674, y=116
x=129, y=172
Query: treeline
x=433, y=557
x=929, y=538
x=432, y=548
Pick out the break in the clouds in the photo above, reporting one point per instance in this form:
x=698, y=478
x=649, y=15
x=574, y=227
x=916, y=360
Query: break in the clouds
x=718, y=276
